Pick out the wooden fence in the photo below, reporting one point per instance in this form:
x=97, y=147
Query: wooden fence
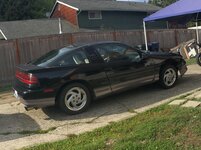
x=13, y=52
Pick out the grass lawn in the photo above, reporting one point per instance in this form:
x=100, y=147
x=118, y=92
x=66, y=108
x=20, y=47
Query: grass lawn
x=191, y=61
x=6, y=88
x=162, y=128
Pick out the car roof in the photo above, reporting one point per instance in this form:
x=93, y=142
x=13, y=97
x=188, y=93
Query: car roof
x=80, y=45
x=75, y=47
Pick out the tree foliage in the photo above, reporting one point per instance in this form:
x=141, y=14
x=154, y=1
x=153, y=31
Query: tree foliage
x=24, y=9
x=162, y=3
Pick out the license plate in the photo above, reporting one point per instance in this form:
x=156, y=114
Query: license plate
x=16, y=95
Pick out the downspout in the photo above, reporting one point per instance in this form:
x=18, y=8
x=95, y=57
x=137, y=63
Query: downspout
x=60, y=26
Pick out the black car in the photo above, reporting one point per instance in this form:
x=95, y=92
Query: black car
x=71, y=77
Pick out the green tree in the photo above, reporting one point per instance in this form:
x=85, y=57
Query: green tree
x=162, y=3
x=41, y=7
x=24, y=9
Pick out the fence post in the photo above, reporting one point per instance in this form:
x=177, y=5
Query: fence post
x=114, y=36
x=71, y=39
x=175, y=37
x=148, y=36
x=17, y=52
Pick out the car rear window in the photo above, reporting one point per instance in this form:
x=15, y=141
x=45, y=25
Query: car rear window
x=62, y=57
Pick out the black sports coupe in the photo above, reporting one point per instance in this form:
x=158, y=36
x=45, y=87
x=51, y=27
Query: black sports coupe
x=73, y=76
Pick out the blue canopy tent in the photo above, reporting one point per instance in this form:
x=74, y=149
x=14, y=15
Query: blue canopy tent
x=181, y=11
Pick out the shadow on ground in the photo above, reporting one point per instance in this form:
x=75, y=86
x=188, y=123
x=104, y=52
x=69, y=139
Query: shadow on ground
x=16, y=124
x=132, y=99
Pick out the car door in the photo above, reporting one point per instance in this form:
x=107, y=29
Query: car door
x=96, y=74
x=124, y=66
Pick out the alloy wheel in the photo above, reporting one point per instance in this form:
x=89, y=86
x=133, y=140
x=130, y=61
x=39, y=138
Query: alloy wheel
x=75, y=99
x=170, y=77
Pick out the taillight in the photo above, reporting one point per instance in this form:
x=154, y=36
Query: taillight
x=26, y=78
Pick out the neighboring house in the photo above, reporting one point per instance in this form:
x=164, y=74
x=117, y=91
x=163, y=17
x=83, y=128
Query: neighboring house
x=104, y=14
x=35, y=27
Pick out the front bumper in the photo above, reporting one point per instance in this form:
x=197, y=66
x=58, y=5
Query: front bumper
x=183, y=68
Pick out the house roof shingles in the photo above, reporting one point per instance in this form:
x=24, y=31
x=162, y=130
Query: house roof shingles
x=35, y=27
x=111, y=5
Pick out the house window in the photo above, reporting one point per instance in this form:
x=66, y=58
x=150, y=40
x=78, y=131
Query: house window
x=94, y=15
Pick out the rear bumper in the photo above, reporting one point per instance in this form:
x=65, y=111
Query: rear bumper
x=38, y=103
x=34, y=99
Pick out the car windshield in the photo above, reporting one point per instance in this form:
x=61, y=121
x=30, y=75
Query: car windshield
x=51, y=58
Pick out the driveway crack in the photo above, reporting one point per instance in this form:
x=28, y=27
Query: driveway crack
x=127, y=108
x=94, y=119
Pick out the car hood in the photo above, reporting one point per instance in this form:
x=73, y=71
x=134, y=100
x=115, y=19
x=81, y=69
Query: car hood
x=163, y=54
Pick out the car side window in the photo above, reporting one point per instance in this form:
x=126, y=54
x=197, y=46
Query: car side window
x=117, y=52
x=133, y=55
x=74, y=58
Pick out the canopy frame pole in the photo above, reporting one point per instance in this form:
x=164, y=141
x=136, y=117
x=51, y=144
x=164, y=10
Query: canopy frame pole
x=197, y=30
x=145, y=35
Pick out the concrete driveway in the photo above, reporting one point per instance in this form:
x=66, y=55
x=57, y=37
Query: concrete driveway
x=19, y=128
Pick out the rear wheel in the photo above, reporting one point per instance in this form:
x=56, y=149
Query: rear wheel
x=168, y=76
x=74, y=99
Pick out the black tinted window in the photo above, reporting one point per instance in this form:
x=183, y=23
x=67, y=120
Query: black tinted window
x=62, y=57
x=117, y=52
x=74, y=58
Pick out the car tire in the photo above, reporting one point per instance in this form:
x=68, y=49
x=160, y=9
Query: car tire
x=74, y=99
x=168, y=76
x=198, y=59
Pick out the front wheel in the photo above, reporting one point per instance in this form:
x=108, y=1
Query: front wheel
x=168, y=77
x=74, y=99
x=198, y=59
